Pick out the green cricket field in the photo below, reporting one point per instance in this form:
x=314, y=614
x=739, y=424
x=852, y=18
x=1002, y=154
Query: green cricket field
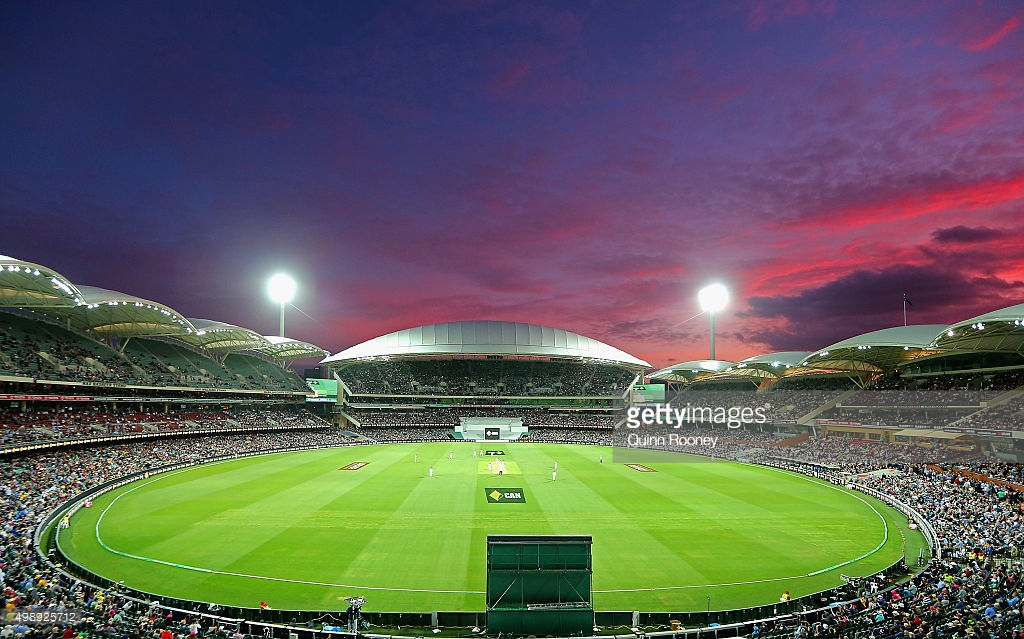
x=308, y=529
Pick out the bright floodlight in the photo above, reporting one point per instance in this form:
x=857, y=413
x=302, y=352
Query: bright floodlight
x=713, y=297
x=281, y=288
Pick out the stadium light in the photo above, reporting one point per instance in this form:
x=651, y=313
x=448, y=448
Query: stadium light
x=713, y=298
x=281, y=289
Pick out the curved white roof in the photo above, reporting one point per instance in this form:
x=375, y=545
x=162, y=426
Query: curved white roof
x=998, y=330
x=27, y=285
x=877, y=351
x=486, y=337
x=915, y=336
x=782, y=358
x=767, y=365
x=691, y=371
x=106, y=313
x=111, y=313
x=1010, y=313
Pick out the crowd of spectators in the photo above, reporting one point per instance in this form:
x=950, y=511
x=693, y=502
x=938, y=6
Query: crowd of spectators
x=34, y=484
x=819, y=382
x=999, y=381
x=390, y=435
x=847, y=455
x=56, y=422
x=900, y=417
x=892, y=400
x=946, y=399
x=485, y=377
x=970, y=599
x=600, y=437
x=968, y=593
x=852, y=455
x=777, y=405
x=450, y=417
x=925, y=409
x=40, y=351
x=1006, y=416
x=436, y=424
x=968, y=514
x=974, y=592
x=32, y=349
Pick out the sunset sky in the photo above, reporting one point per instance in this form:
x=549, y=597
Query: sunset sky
x=586, y=165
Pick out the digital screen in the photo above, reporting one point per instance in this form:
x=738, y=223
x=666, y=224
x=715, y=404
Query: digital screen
x=492, y=433
x=643, y=393
x=324, y=390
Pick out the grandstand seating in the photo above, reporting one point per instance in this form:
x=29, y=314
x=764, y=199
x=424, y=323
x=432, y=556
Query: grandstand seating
x=55, y=423
x=486, y=377
x=779, y=405
x=449, y=417
x=978, y=521
x=40, y=351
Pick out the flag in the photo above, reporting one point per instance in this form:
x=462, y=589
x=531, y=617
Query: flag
x=906, y=300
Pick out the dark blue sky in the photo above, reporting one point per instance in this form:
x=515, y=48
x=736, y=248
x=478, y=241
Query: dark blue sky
x=587, y=165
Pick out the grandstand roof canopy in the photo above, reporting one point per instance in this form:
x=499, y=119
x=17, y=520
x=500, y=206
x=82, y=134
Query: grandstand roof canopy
x=1000, y=330
x=27, y=285
x=878, y=351
x=110, y=313
x=486, y=337
x=772, y=365
x=106, y=313
x=284, y=348
x=691, y=371
x=220, y=337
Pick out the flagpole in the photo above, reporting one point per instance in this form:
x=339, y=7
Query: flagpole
x=904, y=310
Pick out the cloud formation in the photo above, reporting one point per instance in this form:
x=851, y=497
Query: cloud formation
x=588, y=167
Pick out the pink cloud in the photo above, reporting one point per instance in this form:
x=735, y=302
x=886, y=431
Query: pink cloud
x=996, y=36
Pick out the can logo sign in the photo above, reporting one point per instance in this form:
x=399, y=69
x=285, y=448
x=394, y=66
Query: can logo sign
x=505, y=495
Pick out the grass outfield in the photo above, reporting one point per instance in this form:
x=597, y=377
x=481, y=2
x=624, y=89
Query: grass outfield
x=297, y=531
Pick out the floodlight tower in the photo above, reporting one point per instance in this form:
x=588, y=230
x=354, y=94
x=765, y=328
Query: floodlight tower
x=713, y=298
x=281, y=289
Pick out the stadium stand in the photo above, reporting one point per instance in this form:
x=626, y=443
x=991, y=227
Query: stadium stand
x=67, y=376
x=978, y=521
x=449, y=417
x=484, y=377
x=36, y=483
x=39, y=352
x=57, y=423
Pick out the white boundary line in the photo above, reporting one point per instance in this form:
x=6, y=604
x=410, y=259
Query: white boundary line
x=99, y=540
x=143, y=484
x=850, y=493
